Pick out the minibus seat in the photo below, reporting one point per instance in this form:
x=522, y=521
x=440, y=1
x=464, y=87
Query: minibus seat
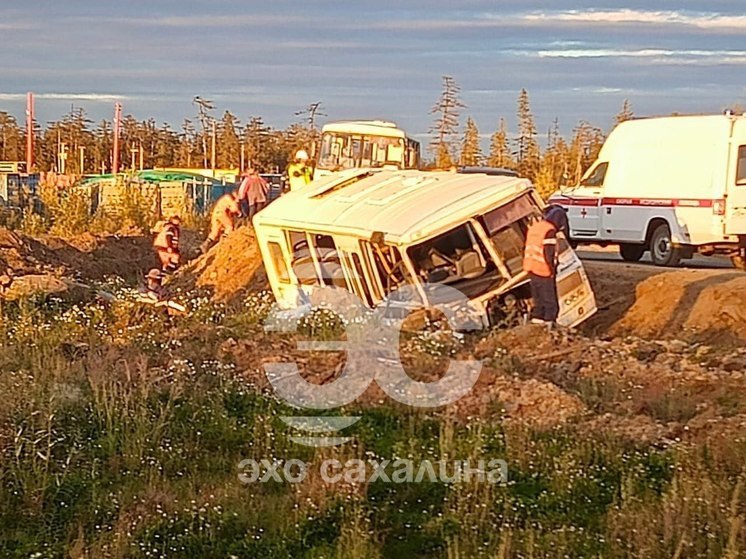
x=304, y=270
x=469, y=265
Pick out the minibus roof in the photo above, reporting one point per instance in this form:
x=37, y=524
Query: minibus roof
x=406, y=206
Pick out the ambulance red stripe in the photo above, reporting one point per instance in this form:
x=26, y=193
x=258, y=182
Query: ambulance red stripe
x=639, y=202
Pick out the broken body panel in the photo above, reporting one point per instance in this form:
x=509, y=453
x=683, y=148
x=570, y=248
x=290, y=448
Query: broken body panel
x=378, y=233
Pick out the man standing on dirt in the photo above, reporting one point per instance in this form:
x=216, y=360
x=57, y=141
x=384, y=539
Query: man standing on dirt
x=252, y=194
x=222, y=219
x=166, y=244
x=540, y=260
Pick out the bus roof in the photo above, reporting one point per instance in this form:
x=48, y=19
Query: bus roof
x=407, y=206
x=368, y=127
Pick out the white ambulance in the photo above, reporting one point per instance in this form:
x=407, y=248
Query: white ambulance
x=370, y=231
x=673, y=186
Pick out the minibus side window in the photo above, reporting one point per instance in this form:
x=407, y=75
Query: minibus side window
x=300, y=259
x=358, y=266
x=278, y=261
x=327, y=256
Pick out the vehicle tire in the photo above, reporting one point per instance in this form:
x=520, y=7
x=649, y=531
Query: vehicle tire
x=662, y=250
x=739, y=262
x=631, y=253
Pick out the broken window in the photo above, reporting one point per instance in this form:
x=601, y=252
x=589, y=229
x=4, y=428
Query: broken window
x=459, y=259
x=506, y=227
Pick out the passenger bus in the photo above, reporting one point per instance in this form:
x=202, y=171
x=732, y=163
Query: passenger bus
x=365, y=143
x=371, y=231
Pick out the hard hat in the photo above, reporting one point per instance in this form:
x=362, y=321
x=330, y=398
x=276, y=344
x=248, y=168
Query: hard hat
x=301, y=154
x=154, y=274
x=175, y=219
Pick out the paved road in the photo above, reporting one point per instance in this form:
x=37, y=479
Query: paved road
x=698, y=262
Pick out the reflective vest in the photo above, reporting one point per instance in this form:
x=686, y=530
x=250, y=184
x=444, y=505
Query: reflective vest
x=534, y=261
x=299, y=175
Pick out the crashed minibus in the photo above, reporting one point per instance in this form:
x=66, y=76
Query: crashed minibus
x=372, y=231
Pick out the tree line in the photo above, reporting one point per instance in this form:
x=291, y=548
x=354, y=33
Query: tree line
x=79, y=145
x=76, y=145
x=559, y=161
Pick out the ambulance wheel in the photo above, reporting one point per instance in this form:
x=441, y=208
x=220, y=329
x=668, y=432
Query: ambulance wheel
x=630, y=252
x=738, y=261
x=662, y=250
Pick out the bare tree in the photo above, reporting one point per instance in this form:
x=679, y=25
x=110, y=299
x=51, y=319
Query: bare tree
x=447, y=108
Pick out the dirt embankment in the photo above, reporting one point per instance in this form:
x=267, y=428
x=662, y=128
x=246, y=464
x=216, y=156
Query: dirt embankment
x=698, y=305
x=230, y=268
x=53, y=265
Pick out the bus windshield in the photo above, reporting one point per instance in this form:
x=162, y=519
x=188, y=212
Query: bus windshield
x=345, y=151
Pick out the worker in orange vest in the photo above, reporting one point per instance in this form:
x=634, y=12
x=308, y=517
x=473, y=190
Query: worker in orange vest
x=166, y=244
x=222, y=219
x=540, y=260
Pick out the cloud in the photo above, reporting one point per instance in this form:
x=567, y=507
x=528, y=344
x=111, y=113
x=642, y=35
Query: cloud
x=649, y=55
x=703, y=20
x=103, y=97
x=203, y=21
x=710, y=21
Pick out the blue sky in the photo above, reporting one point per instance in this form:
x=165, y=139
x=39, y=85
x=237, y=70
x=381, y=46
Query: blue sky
x=382, y=59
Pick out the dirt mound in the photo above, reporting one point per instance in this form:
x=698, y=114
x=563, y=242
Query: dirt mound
x=701, y=304
x=53, y=265
x=230, y=268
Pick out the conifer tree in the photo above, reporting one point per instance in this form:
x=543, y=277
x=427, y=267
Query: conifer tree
x=625, y=113
x=500, y=148
x=528, y=154
x=471, y=151
x=447, y=109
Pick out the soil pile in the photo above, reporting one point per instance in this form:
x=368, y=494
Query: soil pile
x=53, y=265
x=229, y=269
x=697, y=304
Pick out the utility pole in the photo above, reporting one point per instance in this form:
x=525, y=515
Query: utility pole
x=313, y=110
x=133, y=153
x=29, y=131
x=62, y=165
x=115, y=154
x=214, y=145
x=142, y=158
x=81, y=169
x=203, y=106
x=243, y=158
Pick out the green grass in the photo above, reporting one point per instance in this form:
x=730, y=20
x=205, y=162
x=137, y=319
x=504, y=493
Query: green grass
x=129, y=447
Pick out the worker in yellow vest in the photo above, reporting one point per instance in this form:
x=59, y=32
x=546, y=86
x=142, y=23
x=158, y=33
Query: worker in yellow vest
x=540, y=260
x=300, y=172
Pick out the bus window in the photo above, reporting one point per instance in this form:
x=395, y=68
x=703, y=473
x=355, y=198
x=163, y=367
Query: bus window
x=388, y=265
x=506, y=227
x=358, y=278
x=328, y=258
x=278, y=262
x=301, y=260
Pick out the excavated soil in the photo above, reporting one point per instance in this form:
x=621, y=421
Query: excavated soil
x=663, y=360
x=85, y=257
x=229, y=269
x=699, y=302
